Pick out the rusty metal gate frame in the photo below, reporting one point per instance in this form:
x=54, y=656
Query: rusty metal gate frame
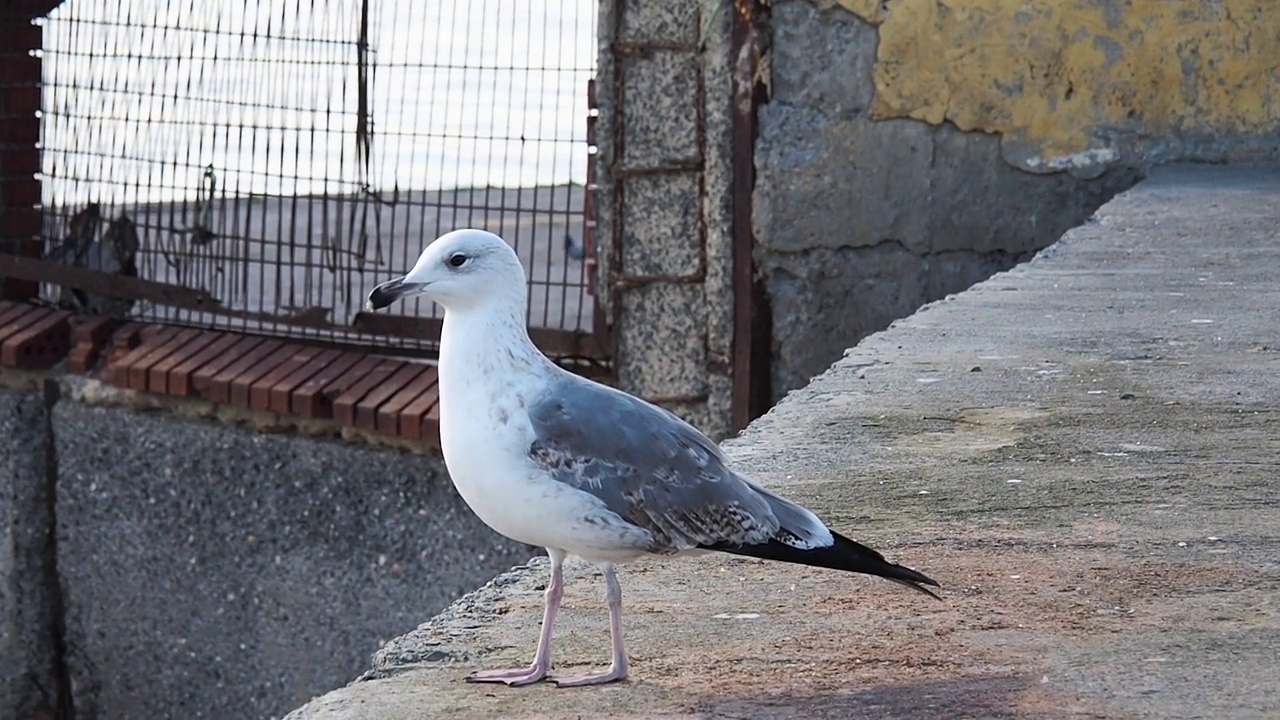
x=752, y=323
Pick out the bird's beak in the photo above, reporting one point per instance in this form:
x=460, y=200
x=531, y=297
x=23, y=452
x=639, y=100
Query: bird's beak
x=391, y=291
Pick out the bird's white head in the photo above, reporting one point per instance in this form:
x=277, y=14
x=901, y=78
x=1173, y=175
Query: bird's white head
x=459, y=270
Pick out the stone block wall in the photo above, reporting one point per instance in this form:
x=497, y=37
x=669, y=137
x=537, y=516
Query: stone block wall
x=912, y=148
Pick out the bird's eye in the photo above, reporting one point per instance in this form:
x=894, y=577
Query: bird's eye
x=457, y=259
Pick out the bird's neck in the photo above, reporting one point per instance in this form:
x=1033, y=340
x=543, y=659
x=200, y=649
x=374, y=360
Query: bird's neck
x=490, y=339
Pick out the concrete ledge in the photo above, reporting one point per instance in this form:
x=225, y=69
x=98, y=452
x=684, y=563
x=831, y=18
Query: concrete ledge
x=1082, y=450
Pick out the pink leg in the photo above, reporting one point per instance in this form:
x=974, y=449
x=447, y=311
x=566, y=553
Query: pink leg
x=618, y=666
x=542, y=658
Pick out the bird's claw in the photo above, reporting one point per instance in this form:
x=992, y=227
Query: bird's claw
x=596, y=678
x=514, y=677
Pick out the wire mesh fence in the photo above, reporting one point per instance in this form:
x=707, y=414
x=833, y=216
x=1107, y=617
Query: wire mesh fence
x=266, y=162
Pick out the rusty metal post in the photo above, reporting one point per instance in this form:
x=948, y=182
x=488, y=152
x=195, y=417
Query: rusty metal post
x=589, y=192
x=20, y=88
x=751, y=353
x=590, y=224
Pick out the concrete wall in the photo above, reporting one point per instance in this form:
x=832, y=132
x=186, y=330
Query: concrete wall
x=208, y=570
x=1085, y=84
x=912, y=148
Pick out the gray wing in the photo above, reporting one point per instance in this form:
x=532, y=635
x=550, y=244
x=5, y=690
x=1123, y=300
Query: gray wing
x=657, y=472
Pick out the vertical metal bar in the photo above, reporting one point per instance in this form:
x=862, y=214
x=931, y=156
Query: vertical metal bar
x=750, y=371
x=589, y=194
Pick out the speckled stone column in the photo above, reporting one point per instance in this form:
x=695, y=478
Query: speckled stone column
x=665, y=252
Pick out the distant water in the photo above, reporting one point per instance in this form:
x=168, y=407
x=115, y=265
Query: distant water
x=141, y=96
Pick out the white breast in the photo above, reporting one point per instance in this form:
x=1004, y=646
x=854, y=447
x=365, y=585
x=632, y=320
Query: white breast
x=489, y=464
x=485, y=444
x=485, y=433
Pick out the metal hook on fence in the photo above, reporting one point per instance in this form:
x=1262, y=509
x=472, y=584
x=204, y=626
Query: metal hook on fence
x=201, y=232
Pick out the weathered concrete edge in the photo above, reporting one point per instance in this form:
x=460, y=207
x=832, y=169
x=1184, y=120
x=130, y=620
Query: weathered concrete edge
x=449, y=636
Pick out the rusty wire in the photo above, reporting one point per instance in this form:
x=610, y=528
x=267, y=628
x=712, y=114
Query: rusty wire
x=284, y=156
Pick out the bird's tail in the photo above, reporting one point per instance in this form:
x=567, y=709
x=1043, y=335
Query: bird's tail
x=843, y=554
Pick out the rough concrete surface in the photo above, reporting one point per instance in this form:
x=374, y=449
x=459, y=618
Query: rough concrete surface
x=677, y=322
x=28, y=655
x=651, y=139
x=1081, y=449
x=214, y=572
x=859, y=221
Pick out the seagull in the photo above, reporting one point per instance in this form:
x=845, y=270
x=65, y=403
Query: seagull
x=552, y=459
x=572, y=249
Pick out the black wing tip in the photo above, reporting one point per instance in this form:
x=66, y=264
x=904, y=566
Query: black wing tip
x=906, y=574
x=900, y=574
x=920, y=586
x=843, y=554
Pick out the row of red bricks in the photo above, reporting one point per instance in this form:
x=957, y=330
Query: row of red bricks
x=379, y=394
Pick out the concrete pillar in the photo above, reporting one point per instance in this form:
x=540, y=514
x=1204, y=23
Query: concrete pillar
x=664, y=173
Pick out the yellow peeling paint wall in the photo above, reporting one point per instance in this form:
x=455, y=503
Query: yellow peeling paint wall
x=1062, y=80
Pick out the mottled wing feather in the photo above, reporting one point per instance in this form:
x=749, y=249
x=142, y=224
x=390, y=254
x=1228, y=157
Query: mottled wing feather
x=647, y=466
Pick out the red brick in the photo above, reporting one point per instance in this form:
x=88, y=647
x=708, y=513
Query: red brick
x=389, y=414
x=41, y=345
x=220, y=386
x=367, y=409
x=182, y=379
x=283, y=390
x=314, y=398
x=344, y=406
x=260, y=392
x=158, y=375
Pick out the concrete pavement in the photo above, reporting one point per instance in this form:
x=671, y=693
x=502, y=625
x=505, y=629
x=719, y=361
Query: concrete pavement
x=1083, y=450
